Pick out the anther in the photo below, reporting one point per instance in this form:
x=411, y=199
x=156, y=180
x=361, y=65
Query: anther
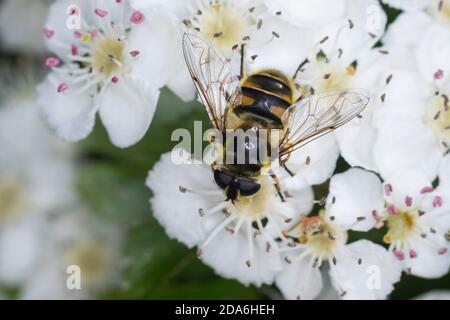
x=350, y=24
x=308, y=160
x=62, y=87
x=388, y=79
x=182, y=189
x=442, y=251
x=259, y=24
x=278, y=13
x=248, y=263
x=324, y=39
x=426, y=189
x=217, y=34
x=275, y=34
x=383, y=51
x=388, y=189
x=230, y=230
x=408, y=201
x=383, y=97
x=287, y=260
x=334, y=260
x=359, y=261
x=437, y=201
x=412, y=254
x=268, y=246
x=201, y=212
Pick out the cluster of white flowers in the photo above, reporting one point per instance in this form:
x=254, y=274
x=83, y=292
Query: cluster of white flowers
x=121, y=53
x=43, y=227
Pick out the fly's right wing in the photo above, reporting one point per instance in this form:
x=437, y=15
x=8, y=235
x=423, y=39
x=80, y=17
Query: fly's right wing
x=318, y=115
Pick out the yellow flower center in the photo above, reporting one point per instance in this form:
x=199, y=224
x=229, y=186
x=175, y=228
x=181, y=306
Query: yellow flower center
x=320, y=236
x=92, y=259
x=11, y=199
x=225, y=24
x=400, y=226
x=440, y=10
x=438, y=116
x=257, y=205
x=107, y=55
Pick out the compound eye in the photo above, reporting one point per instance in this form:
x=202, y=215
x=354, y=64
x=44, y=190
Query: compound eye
x=222, y=178
x=248, y=188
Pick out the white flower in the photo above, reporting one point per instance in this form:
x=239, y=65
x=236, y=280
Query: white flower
x=358, y=270
x=237, y=240
x=227, y=24
x=20, y=25
x=411, y=117
x=418, y=221
x=102, y=66
x=36, y=178
x=76, y=238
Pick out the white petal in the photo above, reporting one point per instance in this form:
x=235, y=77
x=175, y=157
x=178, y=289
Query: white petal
x=71, y=115
x=433, y=51
x=429, y=263
x=367, y=17
x=405, y=142
x=316, y=161
x=182, y=86
x=444, y=172
x=127, y=108
x=177, y=7
x=370, y=278
x=406, y=183
x=356, y=194
x=227, y=255
x=356, y=140
x=407, y=28
x=177, y=211
x=300, y=280
x=158, y=38
x=307, y=14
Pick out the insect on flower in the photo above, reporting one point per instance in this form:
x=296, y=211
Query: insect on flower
x=260, y=102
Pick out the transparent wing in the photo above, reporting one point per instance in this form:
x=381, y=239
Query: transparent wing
x=318, y=115
x=217, y=87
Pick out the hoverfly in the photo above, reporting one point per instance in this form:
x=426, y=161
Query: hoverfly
x=261, y=100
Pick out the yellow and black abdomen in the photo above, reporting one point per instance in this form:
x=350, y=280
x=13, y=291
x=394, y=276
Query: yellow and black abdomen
x=266, y=95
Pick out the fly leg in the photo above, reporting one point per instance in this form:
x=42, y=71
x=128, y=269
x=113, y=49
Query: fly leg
x=242, y=60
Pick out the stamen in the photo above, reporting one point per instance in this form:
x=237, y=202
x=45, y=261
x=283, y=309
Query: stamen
x=101, y=13
x=426, y=189
x=437, y=201
x=63, y=87
x=137, y=17
x=408, y=201
x=439, y=74
x=388, y=189
x=399, y=255
x=52, y=62
x=48, y=33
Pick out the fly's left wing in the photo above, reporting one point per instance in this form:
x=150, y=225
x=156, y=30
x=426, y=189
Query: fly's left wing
x=318, y=115
x=211, y=72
